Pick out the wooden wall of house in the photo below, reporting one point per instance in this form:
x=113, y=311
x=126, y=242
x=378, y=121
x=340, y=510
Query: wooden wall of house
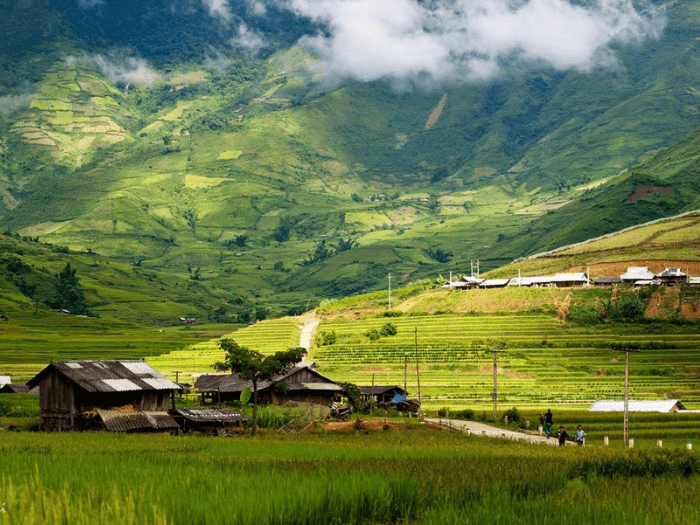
x=315, y=398
x=57, y=409
x=306, y=376
x=62, y=402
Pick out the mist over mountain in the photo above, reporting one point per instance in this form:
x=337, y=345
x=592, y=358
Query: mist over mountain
x=299, y=149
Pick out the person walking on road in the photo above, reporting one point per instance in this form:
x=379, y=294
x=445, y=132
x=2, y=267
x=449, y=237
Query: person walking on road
x=580, y=435
x=562, y=436
x=548, y=420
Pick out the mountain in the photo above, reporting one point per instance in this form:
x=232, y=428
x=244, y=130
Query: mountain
x=198, y=137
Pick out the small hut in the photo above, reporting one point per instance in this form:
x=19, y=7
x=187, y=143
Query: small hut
x=602, y=282
x=78, y=395
x=381, y=394
x=300, y=384
x=14, y=388
x=208, y=420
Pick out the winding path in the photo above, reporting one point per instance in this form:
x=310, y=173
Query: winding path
x=307, y=331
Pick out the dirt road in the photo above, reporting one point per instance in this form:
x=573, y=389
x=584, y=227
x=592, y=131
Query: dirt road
x=481, y=429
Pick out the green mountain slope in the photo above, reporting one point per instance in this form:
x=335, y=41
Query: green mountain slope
x=269, y=182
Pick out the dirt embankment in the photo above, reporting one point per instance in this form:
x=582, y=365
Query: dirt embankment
x=666, y=303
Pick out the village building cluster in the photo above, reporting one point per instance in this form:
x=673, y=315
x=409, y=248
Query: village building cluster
x=131, y=396
x=637, y=276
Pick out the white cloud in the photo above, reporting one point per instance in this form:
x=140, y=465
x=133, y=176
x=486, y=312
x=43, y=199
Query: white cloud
x=10, y=104
x=218, y=8
x=399, y=39
x=117, y=68
x=248, y=39
x=258, y=8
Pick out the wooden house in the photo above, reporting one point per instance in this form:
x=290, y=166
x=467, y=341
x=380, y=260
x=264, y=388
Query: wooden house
x=602, y=282
x=381, y=394
x=567, y=280
x=300, y=384
x=14, y=388
x=78, y=395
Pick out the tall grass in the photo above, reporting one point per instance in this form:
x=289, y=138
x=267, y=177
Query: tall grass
x=388, y=477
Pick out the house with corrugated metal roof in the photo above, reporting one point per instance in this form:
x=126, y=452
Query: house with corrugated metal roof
x=672, y=276
x=636, y=273
x=4, y=380
x=567, y=280
x=663, y=406
x=114, y=395
x=494, y=283
x=466, y=282
x=300, y=384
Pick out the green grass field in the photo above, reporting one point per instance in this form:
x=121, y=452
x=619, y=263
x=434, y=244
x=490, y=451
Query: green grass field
x=416, y=476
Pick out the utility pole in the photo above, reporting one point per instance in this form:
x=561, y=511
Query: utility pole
x=626, y=350
x=390, y=292
x=417, y=368
x=405, y=373
x=477, y=269
x=495, y=348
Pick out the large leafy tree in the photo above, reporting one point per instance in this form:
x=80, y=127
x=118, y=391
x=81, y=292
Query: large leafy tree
x=256, y=367
x=68, y=293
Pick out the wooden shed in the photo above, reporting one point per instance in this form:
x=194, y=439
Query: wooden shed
x=72, y=393
x=381, y=394
x=208, y=420
x=14, y=388
x=300, y=384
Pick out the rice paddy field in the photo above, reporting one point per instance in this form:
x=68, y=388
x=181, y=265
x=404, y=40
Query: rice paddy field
x=543, y=361
x=418, y=476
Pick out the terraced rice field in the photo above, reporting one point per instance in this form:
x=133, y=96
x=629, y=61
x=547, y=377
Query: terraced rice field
x=268, y=337
x=542, y=362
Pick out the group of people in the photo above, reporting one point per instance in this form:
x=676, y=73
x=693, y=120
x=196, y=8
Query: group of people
x=546, y=421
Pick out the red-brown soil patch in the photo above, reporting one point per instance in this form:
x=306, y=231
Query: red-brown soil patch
x=435, y=115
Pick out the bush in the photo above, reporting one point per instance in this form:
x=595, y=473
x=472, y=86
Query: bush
x=373, y=334
x=328, y=338
x=388, y=330
x=513, y=415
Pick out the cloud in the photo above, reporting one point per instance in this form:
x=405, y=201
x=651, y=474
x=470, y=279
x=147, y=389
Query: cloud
x=10, y=104
x=119, y=68
x=248, y=39
x=126, y=69
x=219, y=9
x=468, y=39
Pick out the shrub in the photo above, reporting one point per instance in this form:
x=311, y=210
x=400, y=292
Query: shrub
x=513, y=415
x=388, y=329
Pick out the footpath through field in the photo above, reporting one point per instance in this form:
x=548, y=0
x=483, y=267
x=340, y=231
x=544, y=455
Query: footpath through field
x=481, y=429
x=307, y=330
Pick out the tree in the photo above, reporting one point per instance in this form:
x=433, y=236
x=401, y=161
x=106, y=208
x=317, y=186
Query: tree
x=254, y=366
x=68, y=293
